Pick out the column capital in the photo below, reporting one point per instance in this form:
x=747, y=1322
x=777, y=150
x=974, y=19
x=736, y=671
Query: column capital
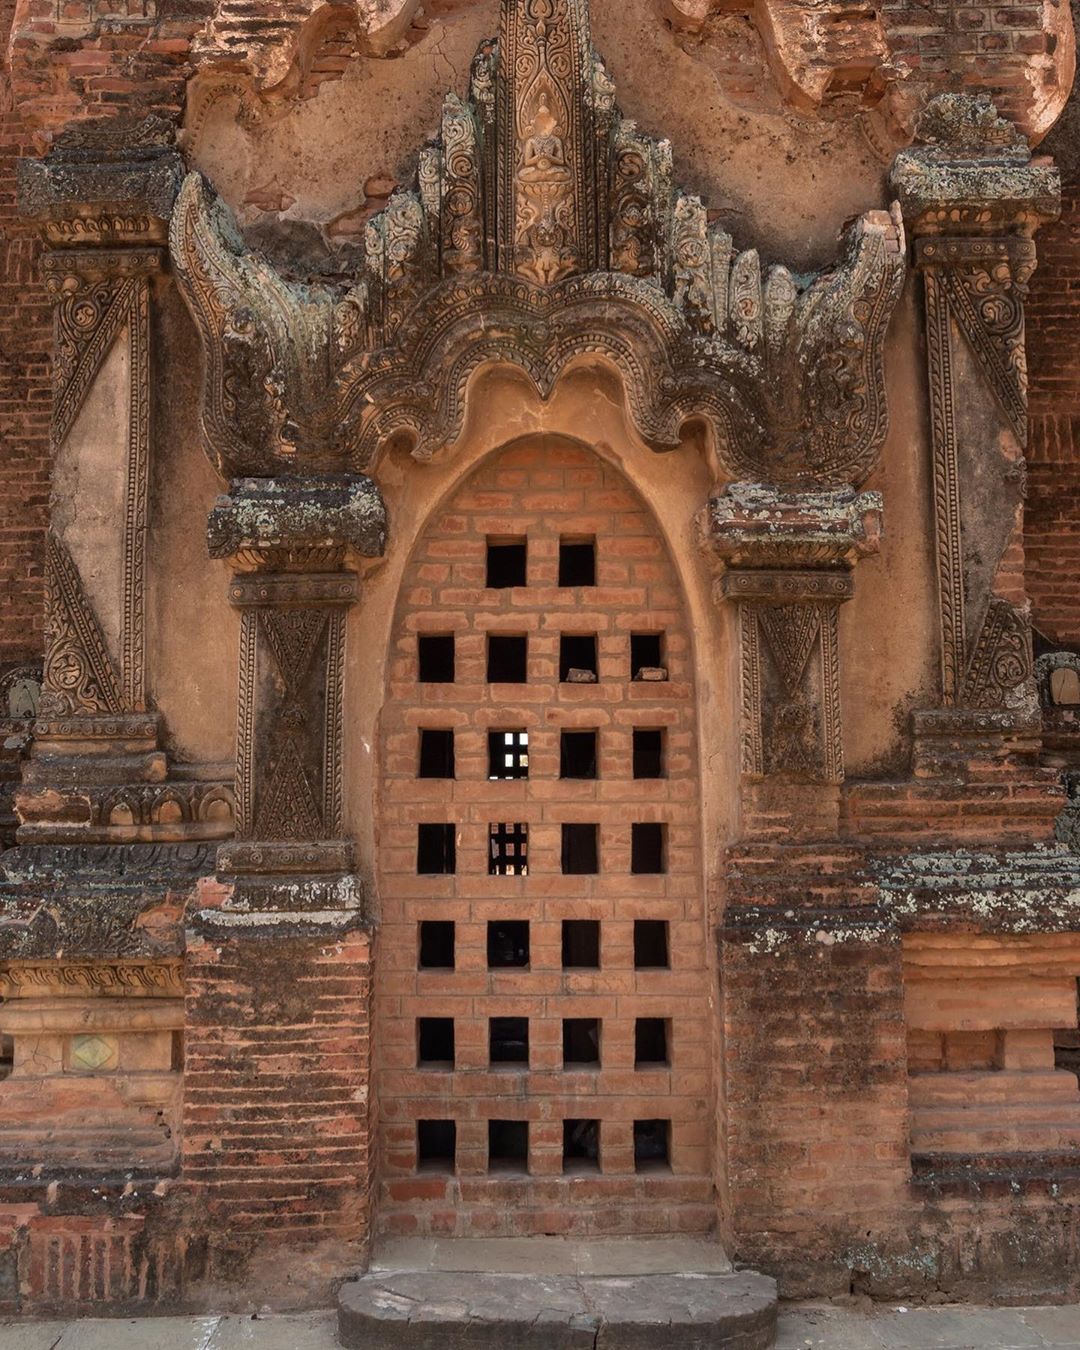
x=108, y=183
x=971, y=173
x=299, y=524
x=757, y=525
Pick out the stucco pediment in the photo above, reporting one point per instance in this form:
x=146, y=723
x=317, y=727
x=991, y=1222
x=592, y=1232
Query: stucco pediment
x=543, y=229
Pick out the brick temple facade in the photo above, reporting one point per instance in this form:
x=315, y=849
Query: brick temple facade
x=539, y=640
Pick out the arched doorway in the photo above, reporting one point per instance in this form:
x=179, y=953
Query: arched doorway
x=543, y=1031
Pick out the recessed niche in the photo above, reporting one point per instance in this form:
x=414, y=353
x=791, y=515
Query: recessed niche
x=652, y=1145
x=581, y=944
x=508, y=849
x=435, y=658
x=647, y=848
x=581, y=1145
x=436, y=849
x=650, y=944
x=437, y=944
x=508, y=1040
x=507, y=943
x=507, y=658
x=577, y=754
x=647, y=656
x=650, y=1041
x=648, y=752
x=436, y=754
x=581, y=1041
x=577, y=658
x=508, y=754
x=577, y=561
x=435, y=1042
x=580, y=854
x=508, y=1145
x=506, y=562
x=436, y=1145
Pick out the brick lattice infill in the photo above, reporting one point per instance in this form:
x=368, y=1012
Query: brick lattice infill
x=540, y=493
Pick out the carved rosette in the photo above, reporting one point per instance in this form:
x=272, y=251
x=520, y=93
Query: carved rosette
x=290, y=539
x=789, y=560
x=972, y=199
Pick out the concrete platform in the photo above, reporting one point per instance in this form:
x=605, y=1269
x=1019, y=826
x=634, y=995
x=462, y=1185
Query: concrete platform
x=802, y=1326
x=556, y=1294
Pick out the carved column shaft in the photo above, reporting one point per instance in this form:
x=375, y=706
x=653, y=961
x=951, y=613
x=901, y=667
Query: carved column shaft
x=288, y=765
x=101, y=297
x=974, y=290
x=790, y=672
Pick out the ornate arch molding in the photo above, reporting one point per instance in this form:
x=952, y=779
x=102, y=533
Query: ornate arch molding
x=542, y=227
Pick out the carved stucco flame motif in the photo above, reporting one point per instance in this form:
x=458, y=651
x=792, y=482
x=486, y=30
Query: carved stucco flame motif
x=543, y=230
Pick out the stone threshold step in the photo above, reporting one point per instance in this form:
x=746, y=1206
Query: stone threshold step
x=456, y=1310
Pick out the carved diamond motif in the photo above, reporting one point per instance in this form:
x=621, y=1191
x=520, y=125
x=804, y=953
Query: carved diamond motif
x=96, y=1054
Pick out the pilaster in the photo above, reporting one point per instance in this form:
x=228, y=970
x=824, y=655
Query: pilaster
x=289, y=540
x=789, y=558
x=972, y=199
x=101, y=200
x=277, y=1127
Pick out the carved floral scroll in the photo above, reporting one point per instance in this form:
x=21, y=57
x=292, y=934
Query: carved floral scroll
x=543, y=229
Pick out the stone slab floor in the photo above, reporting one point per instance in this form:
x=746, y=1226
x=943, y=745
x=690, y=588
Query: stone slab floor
x=802, y=1327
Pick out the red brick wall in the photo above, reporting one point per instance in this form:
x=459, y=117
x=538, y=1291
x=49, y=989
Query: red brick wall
x=25, y=338
x=276, y=1126
x=542, y=492
x=815, y=1061
x=1052, y=524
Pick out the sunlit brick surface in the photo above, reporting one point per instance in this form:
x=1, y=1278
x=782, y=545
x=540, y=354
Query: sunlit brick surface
x=542, y=493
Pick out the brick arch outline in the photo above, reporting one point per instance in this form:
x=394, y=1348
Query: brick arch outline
x=407, y=1197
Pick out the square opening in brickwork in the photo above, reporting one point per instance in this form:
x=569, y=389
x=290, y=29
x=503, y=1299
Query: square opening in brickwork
x=508, y=754
x=577, y=658
x=650, y=1041
x=436, y=1145
x=647, y=852
x=580, y=854
x=435, y=1042
x=581, y=1146
x=647, y=656
x=1067, y=1050
x=577, y=561
x=507, y=658
x=508, y=1040
x=436, y=754
x=508, y=850
x=435, y=657
x=508, y=1145
x=506, y=562
x=581, y=944
x=437, y=944
x=507, y=943
x=652, y=1145
x=648, y=752
x=577, y=754
x=436, y=850
x=650, y=944
x=581, y=1041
